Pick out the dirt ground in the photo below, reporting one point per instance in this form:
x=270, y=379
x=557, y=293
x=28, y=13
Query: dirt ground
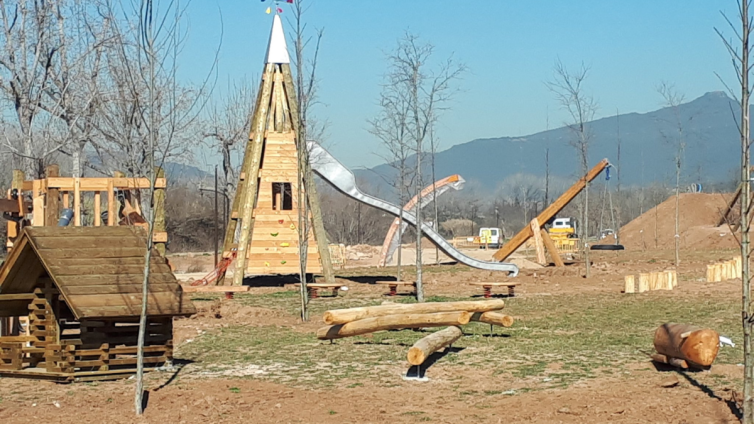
x=204, y=390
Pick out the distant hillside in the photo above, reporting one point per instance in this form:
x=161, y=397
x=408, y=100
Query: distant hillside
x=712, y=151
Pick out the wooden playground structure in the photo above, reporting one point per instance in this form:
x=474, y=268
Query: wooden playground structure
x=535, y=230
x=262, y=236
x=79, y=291
x=39, y=202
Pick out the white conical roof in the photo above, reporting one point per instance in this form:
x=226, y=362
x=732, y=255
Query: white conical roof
x=277, y=50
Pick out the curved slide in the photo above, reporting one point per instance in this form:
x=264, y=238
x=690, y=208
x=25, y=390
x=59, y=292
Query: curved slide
x=340, y=177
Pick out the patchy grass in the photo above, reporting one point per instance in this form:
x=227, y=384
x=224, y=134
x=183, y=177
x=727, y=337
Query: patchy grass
x=556, y=340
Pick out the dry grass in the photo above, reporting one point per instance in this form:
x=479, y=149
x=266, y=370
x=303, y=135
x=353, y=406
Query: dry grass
x=556, y=341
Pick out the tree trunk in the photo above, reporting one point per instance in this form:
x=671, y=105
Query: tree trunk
x=422, y=349
x=342, y=316
x=393, y=322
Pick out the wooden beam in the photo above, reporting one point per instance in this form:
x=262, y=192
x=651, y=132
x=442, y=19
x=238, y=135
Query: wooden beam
x=97, y=209
x=342, y=316
x=111, y=218
x=159, y=213
x=550, y=211
x=52, y=199
x=538, y=246
x=98, y=183
x=77, y=202
x=393, y=322
x=252, y=163
x=423, y=348
x=38, y=204
x=551, y=248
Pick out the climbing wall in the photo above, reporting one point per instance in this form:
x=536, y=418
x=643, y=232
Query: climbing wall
x=274, y=241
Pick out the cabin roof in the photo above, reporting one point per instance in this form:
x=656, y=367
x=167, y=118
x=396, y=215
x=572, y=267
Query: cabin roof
x=98, y=271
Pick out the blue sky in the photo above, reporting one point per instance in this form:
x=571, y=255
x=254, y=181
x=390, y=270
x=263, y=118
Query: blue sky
x=509, y=47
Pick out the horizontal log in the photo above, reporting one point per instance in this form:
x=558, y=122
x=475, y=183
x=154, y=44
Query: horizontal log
x=422, y=349
x=494, y=318
x=342, y=316
x=695, y=345
x=393, y=322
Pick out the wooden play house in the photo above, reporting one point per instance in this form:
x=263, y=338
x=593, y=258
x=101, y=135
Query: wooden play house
x=263, y=230
x=80, y=289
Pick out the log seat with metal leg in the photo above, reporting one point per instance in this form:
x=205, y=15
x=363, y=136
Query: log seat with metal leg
x=393, y=285
x=312, y=289
x=487, y=286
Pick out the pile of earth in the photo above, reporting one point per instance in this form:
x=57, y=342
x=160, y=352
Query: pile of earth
x=699, y=214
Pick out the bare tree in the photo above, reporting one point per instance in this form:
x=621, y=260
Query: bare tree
x=425, y=93
x=673, y=100
x=227, y=126
x=568, y=88
x=305, y=73
x=391, y=128
x=740, y=59
x=27, y=52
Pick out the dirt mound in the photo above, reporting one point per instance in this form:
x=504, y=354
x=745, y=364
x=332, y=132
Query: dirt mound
x=699, y=213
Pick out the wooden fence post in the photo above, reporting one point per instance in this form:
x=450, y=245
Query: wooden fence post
x=159, y=211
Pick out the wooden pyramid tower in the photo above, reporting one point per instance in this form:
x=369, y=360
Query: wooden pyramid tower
x=266, y=203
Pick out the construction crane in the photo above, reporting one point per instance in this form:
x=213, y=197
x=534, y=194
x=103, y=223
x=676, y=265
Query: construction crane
x=534, y=229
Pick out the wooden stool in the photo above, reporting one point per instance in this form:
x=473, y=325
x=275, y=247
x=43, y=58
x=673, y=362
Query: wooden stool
x=393, y=285
x=313, y=287
x=487, y=286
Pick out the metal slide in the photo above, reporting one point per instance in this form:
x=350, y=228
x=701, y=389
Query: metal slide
x=344, y=181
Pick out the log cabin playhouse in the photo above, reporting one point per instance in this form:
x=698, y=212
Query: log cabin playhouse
x=80, y=288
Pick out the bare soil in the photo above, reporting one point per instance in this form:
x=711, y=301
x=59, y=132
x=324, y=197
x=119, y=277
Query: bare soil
x=626, y=389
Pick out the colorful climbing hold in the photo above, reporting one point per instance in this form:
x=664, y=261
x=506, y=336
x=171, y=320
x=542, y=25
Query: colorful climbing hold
x=280, y=221
x=282, y=262
x=266, y=264
x=284, y=244
x=293, y=227
x=274, y=234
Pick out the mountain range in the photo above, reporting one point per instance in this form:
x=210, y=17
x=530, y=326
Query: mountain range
x=649, y=145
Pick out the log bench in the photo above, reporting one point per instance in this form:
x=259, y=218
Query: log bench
x=393, y=285
x=312, y=289
x=487, y=286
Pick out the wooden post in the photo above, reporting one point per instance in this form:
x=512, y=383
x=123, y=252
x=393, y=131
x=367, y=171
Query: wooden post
x=662, y=280
x=111, y=204
x=672, y=278
x=77, y=202
x=630, y=285
x=38, y=204
x=493, y=318
x=14, y=228
x=159, y=211
x=538, y=246
x=551, y=248
x=66, y=200
x=251, y=170
x=643, y=282
x=652, y=281
x=710, y=273
x=717, y=273
x=52, y=199
x=97, y=209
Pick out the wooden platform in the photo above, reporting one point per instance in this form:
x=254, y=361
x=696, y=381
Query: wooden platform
x=394, y=286
x=487, y=286
x=214, y=289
